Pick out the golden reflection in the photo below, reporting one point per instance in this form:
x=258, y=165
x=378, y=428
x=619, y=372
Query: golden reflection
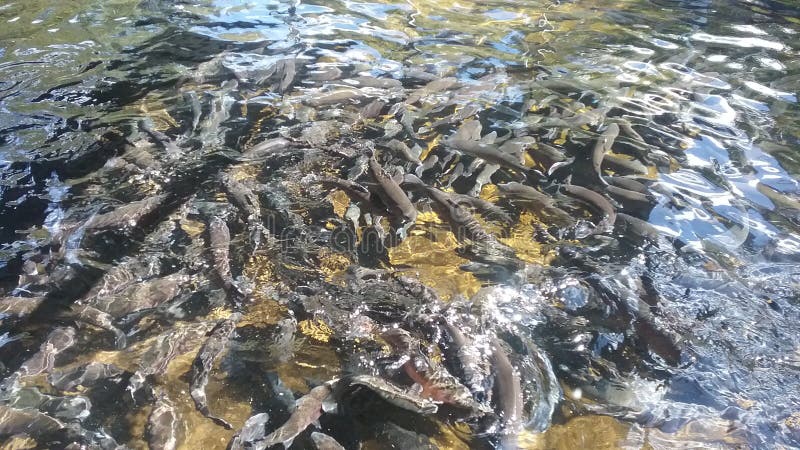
x=340, y=202
x=332, y=264
x=19, y=442
x=433, y=259
x=315, y=329
x=522, y=240
x=192, y=227
x=595, y=432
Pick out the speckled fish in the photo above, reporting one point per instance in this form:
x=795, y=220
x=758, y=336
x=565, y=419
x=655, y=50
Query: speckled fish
x=374, y=82
x=324, y=442
x=307, y=410
x=603, y=146
x=100, y=319
x=355, y=191
x=139, y=296
x=165, y=348
x=163, y=425
x=29, y=421
x=220, y=242
x=628, y=183
x=470, y=360
x=18, y=307
x=161, y=139
x=437, y=384
x=431, y=88
x=125, y=216
x=393, y=195
x=248, y=204
x=85, y=376
x=393, y=394
x=265, y=149
x=254, y=429
x=400, y=148
x=597, y=201
x=43, y=361
x=507, y=396
x=335, y=97
x=212, y=348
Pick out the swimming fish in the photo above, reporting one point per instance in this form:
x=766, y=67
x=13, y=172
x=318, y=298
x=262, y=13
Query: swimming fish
x=127, y=215
x=163, y=425
x=253, y=430
x=597, y=201
x=324, y=442
x=603, y=146
x=392, y=194
x=307, y=410
x=212, y=348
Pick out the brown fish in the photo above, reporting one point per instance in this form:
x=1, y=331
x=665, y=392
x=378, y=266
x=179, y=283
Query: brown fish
x=393, y=394
x=597, y=201
x=100, y=319
x=267, y=148
x=85, y=376
x=392, y=194
x=143, y=295
x=29, y=421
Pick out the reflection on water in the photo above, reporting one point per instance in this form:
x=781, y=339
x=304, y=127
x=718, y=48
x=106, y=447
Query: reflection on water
x=602, y=194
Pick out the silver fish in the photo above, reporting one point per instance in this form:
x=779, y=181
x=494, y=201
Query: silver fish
x=336, y=97
x=307, y=410
x=100, y=319
x=212, y=348
x=144, y=295
x=431, y=88
x=324, y=442
x=29, y=421
x=127, y=215
x=393, y=394
x=253, y=430
x=163, y=425
x=220, y=241
x=85, y=376
x=43, y=361
x=603, y=146
x=508, y=394
x=266, y=148
x=19, y=307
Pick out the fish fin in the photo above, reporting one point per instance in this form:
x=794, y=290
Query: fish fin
x=329, y=405
x=288, y=443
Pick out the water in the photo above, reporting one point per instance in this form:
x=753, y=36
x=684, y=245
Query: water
x=685, y=334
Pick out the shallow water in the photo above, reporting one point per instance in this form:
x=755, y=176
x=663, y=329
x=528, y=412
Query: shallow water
x=681, y=335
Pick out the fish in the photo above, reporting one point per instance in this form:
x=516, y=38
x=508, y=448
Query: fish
x=307, y=410
x=470, y=361
x=84, y=376
x=248, y=204
x=435, y=382
x=265, y=149
x=628, y=183
x=324, y=442
x=391, y=193
x=29, y=421
x=623, y=165
x=521, y=192
x=100, y=319
x=374, y=82
x=43, y=361
x=335, y=97
x=432, y=87
x=197, y=109
x=630, y=199
x=597, y=201
x=161, y=139
x=163, y=425
x=127, y=215
x=139, y=296
x=254, y=429
x=467, y=139
x=508, y=394
x=19, y=307
x=603, y=146
x=165, y=348
x=400, y=148
x=393, y=394
x=216, y=344
x=372, y=109
x=487, y=209
x=638, y=226
x=220, y=241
